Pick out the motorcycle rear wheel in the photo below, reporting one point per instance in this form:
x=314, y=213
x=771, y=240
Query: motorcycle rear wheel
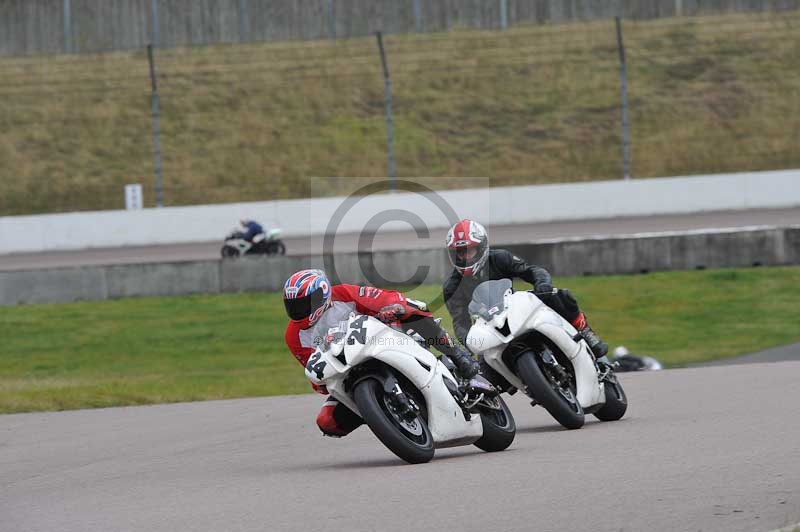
x=567, y=411
x=410, y=440
x=616, y=401
x=499, y=428
x=275, y=248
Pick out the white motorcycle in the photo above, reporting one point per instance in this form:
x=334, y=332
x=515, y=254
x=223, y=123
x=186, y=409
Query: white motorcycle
x=409, y=399
x=537, y=351
x=268, y=243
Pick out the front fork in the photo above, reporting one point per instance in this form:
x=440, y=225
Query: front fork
x=402, y=404
x=398, y=401
x=556, y=370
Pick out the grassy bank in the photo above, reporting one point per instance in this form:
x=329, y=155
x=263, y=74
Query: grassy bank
x=529, y=105
x=151, y=350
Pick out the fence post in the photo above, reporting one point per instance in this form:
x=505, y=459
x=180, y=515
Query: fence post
x=387, y=81
x=67, y=27
x=623, y=77
x=503, y=14
x=156, y=127
x=244, y=22
x=154, y=23
x=331, y=19
x=678, y=8
x=418, y=26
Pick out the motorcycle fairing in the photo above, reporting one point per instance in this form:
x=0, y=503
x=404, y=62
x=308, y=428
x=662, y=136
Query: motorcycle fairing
x=367, y=338
x=523, y=312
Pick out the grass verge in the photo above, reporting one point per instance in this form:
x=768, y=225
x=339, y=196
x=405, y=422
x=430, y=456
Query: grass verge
x=155, y=350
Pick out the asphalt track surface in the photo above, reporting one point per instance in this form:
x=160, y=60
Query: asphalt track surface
x=711, y=449
x=775, y=354
x=410, y=240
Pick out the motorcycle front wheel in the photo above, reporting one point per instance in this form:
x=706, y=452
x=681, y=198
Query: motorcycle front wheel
x=559, y=400
x=411, y=440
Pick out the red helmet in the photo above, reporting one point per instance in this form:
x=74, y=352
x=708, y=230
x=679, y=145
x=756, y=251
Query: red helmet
x=468, y=246
x=306, y=295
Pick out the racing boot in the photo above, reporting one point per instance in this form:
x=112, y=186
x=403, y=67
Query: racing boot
x=467, y=366
x=599, y=348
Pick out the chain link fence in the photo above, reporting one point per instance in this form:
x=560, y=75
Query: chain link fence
x=529, y=105
x=80, y=26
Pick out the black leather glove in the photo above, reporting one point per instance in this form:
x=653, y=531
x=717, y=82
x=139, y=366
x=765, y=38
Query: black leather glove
x=543, y=289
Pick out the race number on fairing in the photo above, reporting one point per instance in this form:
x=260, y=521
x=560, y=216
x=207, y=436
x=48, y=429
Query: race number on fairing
x=358, y=331
x=315, y=366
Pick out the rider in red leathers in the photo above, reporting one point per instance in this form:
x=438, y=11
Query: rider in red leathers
x=308, y=294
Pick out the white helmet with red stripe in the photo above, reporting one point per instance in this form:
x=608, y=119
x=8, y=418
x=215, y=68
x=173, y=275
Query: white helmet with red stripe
x=468, y=246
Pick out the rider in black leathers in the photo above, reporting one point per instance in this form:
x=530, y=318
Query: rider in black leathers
x=474, y=263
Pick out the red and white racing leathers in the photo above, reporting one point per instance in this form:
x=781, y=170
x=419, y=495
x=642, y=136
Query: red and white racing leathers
x=335, y=419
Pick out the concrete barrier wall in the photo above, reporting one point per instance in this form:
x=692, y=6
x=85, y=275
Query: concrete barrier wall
x=493, y=206
x=669, y=251
x=677, y=251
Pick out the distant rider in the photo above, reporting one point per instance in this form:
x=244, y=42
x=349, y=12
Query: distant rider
x=251, y=229
x=308, y=294
x=474, y=263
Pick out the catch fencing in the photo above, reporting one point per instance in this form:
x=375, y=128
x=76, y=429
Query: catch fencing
x=543, y=104
x=70, y=26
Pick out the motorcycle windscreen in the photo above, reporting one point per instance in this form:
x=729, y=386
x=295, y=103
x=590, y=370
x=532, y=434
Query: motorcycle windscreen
x=488, y=299
x=332, y=325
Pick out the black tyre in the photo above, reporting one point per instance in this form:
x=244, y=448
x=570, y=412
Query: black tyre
x=229, y=252
x=275, y=248
x=499, y=428
x=259, y=248
x=561, y=402
x=616, y=401
x=412, y=441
